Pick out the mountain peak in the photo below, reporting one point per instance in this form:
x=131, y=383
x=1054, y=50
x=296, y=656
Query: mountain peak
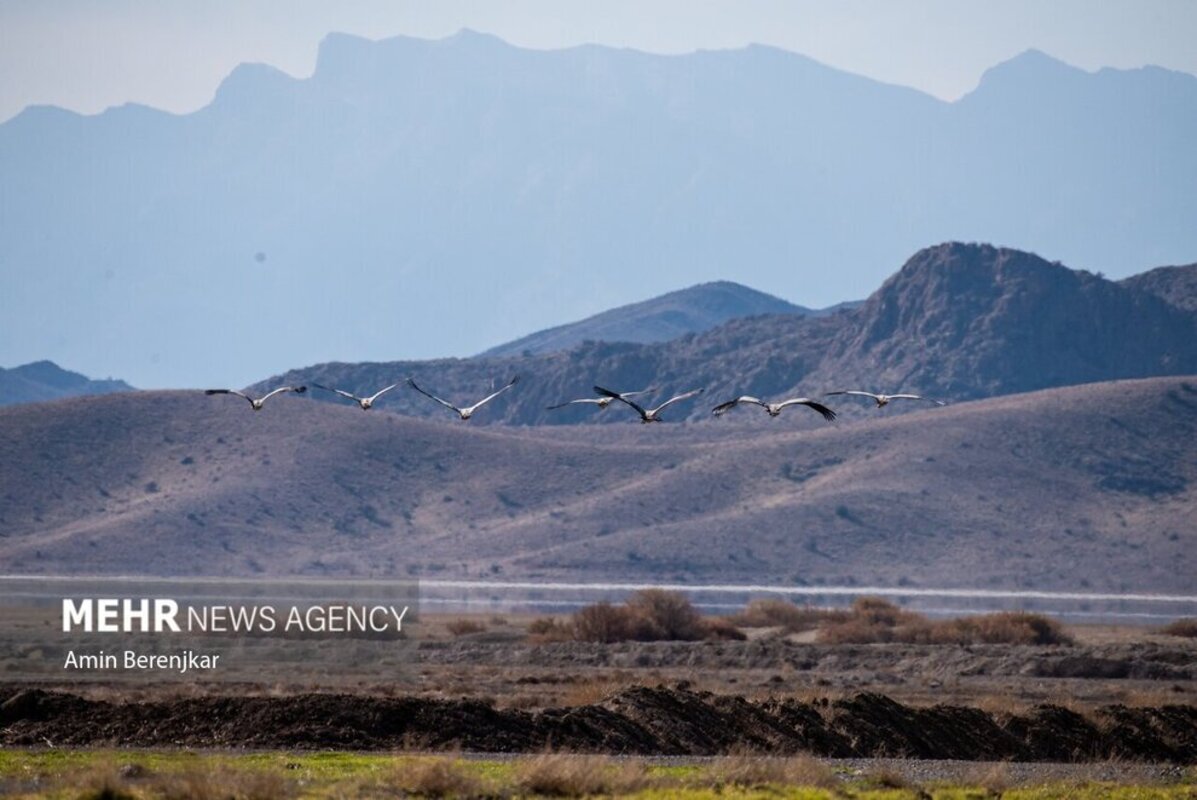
x=691, y=310
x=471, y=36
x=958, y=311
x=44, y=380
x=1026, y=73
x=953, y=272
x=252, y=82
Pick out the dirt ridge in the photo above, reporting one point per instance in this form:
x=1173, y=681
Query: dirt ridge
x=659, y=720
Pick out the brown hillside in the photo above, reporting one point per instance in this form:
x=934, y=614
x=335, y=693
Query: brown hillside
x=1084, y=486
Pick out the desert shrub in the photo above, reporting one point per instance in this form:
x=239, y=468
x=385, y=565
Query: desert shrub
x=663, y=615
x=1186, y=626
x=1004, y=627
x=603, y=622
x=550, y=629
x=649, y=615
x=877, y=611
x=873, y=620
x=772, y=612
x=463, y=627
x=722, y=628
x=437, y=777
x=561, y=775
x=876, y=621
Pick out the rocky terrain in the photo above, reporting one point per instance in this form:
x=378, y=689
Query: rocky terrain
x=1176, y=285
x=957, y=321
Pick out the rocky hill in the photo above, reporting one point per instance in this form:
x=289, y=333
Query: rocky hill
x=958, y=321
x=1176, y=285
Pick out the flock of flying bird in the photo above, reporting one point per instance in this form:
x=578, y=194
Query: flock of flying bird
x=606, y=397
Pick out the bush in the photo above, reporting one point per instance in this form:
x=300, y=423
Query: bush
x=462, y=627
x=650, y=615
x=1186, y=626
x=603, y=622
x=658, y=614
x=873, y=620
x=723, y=628
x=1006, y=627
x=550, y=629
x=772, y=612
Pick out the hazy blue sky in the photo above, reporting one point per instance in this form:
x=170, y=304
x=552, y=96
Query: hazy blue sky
x=86, y=55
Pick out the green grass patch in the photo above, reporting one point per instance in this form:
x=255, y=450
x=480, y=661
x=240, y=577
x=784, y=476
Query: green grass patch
x=165, y=775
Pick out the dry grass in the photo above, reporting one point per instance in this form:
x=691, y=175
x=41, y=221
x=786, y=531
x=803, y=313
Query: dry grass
x=108, y=782
x=437, y=777
x=1186, y=627
x=754, y=771
x=889, y=779
x=593, y=692
x=875, y=620
x=198, y=784
x=562, y=775
x=993, y=778
x=102, y=782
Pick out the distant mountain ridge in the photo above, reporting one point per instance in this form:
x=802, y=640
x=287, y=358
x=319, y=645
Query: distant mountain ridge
x=362, y=199
x=958, y=321
x=659, y=319
x=44, y=380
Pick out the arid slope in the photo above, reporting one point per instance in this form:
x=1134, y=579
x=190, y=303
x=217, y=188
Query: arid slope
x=1089, y=486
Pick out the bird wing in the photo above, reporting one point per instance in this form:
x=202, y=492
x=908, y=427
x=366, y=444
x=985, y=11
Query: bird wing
x=854, y=392
x=827, y=413
x=281, y=389
x=493, y=395
x=723, y=408
x=444, y=403
x=594, y=400
x=230, y=391
x=380, y=392
x=617, y=396
x=338, y=391
x=679, y=398
x=637, y=394
x=916, y=397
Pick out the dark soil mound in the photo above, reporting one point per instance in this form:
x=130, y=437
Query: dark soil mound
x=660, y=720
